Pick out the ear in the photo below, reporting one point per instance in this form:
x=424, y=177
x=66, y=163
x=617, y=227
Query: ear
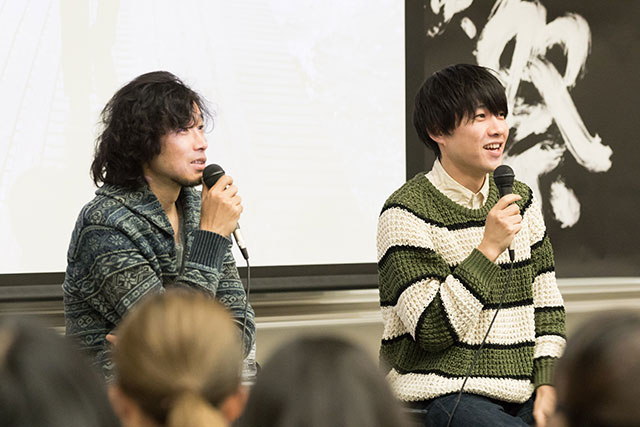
x=439, y=138
x=233, y=405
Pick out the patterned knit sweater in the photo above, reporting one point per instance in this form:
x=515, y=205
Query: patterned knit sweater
x=438, y=294
x=123, y=248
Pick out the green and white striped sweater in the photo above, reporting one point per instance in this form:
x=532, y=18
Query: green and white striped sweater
x=438, y=294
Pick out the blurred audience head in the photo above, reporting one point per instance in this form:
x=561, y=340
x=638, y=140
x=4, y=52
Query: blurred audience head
x=178, y=363
x=598, y=377
x=46, y=381
x=321, y=381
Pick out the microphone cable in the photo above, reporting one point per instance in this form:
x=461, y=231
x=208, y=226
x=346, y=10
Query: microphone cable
x=210, y=176
x=484, y=340
x=246, y=308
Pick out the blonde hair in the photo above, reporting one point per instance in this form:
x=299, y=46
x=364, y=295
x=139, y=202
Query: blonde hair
x=178, y=357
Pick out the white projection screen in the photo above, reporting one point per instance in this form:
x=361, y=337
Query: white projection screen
x=309, y=114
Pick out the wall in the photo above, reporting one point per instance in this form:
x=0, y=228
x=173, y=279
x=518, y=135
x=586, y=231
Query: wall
x=351, y=313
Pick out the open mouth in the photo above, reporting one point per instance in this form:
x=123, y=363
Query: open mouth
x=493, y=147
x=199, y=164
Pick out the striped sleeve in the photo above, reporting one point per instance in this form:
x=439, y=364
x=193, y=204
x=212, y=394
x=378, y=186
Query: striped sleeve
x=420, y=294
x=547, y=301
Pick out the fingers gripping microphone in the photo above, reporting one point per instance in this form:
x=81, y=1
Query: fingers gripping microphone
x=503, y=177
x=210, y=176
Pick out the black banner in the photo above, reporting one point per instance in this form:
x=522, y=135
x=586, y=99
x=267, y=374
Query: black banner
x=570, y=69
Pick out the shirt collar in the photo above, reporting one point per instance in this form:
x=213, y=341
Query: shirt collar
x=456, y=191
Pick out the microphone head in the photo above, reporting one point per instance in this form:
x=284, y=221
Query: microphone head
x=212, y=174
x=503, y=177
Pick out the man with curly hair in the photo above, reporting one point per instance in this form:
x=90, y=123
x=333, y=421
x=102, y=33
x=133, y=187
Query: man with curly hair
x=147, y=226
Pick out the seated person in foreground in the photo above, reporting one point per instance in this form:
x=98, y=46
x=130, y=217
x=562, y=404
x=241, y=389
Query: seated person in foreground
x=321, y=382
x=178, y=363
x=46, y=382
x=598, y=377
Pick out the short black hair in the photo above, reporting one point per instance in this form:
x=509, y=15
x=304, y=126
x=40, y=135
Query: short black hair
x=451, y=95
x=134, y=119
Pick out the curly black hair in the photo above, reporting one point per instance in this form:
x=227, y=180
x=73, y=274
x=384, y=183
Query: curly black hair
x=135, y=119
x=451, y=95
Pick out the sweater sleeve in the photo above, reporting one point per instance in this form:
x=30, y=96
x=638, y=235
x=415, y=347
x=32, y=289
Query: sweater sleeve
x=212, y=251
x=111, y=269
x=549, y=313
x=420, y=294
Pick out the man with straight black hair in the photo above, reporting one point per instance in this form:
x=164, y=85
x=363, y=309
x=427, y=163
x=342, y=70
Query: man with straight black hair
x=147, y=226
x=443, y=264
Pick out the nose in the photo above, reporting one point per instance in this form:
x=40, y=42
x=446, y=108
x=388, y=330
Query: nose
x=200, y=140
x=498, y=125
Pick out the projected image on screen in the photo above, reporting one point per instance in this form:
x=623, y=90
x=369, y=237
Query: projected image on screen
x=309, y=115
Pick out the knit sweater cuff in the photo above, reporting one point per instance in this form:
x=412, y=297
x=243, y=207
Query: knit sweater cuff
x=479, y=273
x=543, y=371
x=209, y=249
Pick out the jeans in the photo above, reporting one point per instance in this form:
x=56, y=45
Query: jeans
x=474, y=410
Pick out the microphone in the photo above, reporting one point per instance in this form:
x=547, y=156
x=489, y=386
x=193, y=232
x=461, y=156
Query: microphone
x=210, y=176
x=503, y=177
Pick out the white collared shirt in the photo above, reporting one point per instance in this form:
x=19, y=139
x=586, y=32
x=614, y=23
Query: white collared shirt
x=456, y=191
